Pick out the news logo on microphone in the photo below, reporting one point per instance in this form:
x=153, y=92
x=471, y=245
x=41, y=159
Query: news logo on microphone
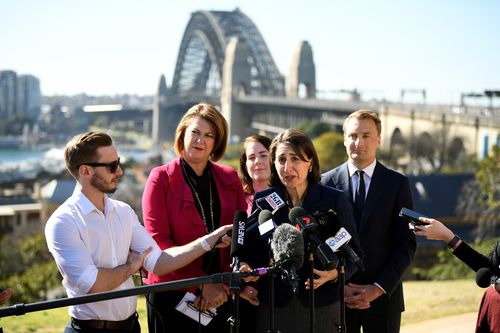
x=275, y=201
x=342, y=237
x=241, y=232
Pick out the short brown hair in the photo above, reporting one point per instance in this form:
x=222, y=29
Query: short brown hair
x=82, y=148
x=219, y=125
x=364, y=114
x=246, y=180
x=302, y=145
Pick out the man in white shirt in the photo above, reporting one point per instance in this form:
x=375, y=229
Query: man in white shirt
x=98, y=242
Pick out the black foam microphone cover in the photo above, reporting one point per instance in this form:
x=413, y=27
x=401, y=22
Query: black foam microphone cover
x=296, y=212
x=483, y=277
x=238, y=232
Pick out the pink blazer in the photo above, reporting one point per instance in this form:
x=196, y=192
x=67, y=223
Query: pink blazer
x=171, y=217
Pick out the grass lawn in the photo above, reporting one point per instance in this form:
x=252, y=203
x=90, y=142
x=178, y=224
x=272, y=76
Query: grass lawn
x=424, y=301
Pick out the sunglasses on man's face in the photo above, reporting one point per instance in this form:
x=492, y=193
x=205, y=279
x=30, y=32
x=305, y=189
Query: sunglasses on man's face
x=113, y=166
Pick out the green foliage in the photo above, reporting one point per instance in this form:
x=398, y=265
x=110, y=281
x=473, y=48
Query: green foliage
x=232, y=156
x=13, y=125
x=488, y=177
x=449, y=267
x=233, y=151
x=314, y=128
x=33, y=272
x=330, y=149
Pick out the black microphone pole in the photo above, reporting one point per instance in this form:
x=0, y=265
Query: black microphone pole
x=341, y=270
x=311, y=287
x=21, y=309
x=237, y=242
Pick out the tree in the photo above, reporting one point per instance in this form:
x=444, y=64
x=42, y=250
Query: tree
x=330, y=149
x=488, y=177
x=315, y=128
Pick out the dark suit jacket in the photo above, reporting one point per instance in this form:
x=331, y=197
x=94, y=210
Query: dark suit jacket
x=257, y=254
x=388, y=243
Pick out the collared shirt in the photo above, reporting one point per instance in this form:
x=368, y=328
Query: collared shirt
x=355, y=178
x=354, y=184
x=83, y=239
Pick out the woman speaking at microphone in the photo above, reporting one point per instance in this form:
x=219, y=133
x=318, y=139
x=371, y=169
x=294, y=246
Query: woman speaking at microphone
x=295, y=177
x=184, y=200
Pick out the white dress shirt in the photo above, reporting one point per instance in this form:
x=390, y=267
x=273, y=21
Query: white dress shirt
x=355, y=178
x=354, y=185
x=82, y=239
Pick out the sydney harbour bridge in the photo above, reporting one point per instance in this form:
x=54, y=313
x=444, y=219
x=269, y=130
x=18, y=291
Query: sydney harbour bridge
x=224, y=60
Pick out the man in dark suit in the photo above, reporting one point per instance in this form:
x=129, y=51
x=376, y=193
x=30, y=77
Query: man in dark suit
x=374, y=298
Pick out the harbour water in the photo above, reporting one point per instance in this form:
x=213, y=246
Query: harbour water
x=12, y=157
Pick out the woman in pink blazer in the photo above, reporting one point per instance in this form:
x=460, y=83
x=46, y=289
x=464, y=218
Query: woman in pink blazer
x=184, y=200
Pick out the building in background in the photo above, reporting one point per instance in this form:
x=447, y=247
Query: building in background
x=29, y=97
x=19, y=95
x=8, y=93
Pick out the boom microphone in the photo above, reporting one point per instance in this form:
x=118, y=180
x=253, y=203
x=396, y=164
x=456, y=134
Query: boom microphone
x=288, y=251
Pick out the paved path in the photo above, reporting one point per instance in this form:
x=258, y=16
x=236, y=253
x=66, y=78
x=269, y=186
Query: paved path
x=464, y=323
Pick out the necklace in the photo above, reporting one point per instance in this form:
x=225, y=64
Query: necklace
x=211, y=227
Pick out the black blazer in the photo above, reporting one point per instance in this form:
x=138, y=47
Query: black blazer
x=388, y=243
x=257, y=253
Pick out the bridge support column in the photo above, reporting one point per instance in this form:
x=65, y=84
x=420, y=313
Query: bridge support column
x=302, y=71
x=236, y=79
x=160, y=133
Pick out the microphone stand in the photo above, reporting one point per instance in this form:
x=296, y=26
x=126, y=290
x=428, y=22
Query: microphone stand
x=272, y=328
x=341, y=269
x=21, y=309
x=235, y=288
x=311, y=289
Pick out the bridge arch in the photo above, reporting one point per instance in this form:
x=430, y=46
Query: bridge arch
x=200, y=61
x=425, y=148
x=456, y=151
x=398, y=145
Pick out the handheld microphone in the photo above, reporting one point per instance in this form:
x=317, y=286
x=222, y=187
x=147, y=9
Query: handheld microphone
x=238, y=237
x=288, y=251
x=339, y=243
x=266, y=223
x=307, y=224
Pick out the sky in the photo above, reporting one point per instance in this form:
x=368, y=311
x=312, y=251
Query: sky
x=108, y=47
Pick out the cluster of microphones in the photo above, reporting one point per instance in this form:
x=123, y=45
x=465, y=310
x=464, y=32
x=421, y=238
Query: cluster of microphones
x=487, y=276
x=287, y=239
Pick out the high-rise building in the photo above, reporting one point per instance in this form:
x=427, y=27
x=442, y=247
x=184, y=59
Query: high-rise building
x=8, y=93
x=29, y=95
x=19, y=95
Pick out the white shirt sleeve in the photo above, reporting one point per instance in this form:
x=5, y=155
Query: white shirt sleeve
x=70, y=253
x=141, y=240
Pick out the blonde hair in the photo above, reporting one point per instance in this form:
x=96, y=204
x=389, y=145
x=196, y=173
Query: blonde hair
x=364, y=114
